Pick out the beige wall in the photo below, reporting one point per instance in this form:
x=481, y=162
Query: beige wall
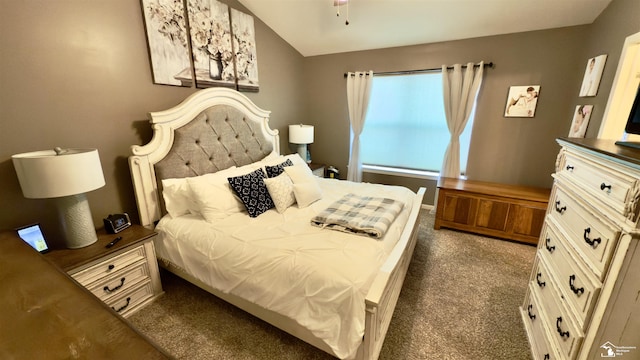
x=606, y=36
x=506, y=150
x=76, y=73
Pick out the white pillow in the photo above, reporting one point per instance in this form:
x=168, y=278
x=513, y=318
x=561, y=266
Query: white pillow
x=305, y=186
x=210, y=194
x=249, y=168
x=214, y=196
x=273, y=156
x=177, y=197
x=281, y=191
x=296, y=159
x=278, y=159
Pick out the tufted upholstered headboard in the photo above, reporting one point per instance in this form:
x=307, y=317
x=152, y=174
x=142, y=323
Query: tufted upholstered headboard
x=211, y=130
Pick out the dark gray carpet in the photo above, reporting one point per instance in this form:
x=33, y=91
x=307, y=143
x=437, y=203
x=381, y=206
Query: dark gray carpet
x=459, y=301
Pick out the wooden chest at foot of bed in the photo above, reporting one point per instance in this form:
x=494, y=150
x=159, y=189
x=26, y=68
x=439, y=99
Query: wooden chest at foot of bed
x=504, y=211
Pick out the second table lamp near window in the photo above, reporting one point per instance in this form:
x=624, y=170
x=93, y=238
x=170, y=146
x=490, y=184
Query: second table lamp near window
x=301, y=135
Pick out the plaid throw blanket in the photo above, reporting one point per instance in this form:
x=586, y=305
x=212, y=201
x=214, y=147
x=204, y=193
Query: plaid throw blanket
x=360, y=215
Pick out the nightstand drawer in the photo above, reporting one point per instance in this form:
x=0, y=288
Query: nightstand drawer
x=129, y=302
x=119, y=282
x=109, y=266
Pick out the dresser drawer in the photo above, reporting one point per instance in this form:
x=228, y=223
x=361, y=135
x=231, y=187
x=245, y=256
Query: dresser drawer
x=609, y=184
x=563, y=331
x=109, y=266
x=578, y=284
x=540, y=276
x=592, y=236
x=119, y=282
x=541, y=345
x=127, y=303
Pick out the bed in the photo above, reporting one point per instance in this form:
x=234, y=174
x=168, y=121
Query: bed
x=333, y=289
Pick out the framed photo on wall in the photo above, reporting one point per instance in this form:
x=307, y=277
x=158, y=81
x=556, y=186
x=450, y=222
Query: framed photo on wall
x=580, y=121
x=592, y=75
x=522, y=101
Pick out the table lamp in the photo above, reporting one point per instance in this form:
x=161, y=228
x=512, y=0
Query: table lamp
x=301, y=135
x=66, y=175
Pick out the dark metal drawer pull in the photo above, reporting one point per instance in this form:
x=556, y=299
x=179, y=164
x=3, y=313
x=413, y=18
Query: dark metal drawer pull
x=540, y=283
x=569, y=168
x=123, y=306
x=549, y=248
x=560, y=209
x=577, y=291
x=111, y=267
x=106, y=288
x=605, y=186
x=593, y=243
x=562, y=333
x=531, y=316
x=546, y=357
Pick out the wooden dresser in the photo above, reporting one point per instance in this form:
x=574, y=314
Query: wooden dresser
x=505, y=211
x=583, y=298
x=46, y=315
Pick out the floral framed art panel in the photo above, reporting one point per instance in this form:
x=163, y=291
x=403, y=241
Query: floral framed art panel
x=166, y=29
x=244, y=45
x=213, y=56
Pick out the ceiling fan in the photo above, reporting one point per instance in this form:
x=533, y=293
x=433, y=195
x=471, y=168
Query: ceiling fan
x=337, y=4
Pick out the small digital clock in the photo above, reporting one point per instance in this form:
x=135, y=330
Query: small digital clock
x=114, y=223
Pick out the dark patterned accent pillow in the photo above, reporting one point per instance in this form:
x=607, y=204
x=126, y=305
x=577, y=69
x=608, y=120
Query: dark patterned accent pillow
x=253, y=192
x=273, y=171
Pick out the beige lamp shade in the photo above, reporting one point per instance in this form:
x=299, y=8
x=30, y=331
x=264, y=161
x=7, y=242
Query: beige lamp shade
x=301, y=134
x=57, y=173
x=65, y=175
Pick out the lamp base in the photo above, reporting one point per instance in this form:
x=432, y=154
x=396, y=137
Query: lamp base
x=302, y=151
x=77, y=223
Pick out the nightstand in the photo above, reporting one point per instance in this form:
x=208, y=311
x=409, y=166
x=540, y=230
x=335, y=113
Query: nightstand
x=124, y=276
x=317, y=169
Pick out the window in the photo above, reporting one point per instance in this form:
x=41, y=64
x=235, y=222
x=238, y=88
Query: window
x=406, y=126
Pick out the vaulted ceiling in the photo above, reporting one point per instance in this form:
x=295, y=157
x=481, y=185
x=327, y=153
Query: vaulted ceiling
x=313, y=28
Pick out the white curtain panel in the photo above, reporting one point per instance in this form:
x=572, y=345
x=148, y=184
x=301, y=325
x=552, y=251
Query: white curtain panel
x=460, y=94
x=358, y=93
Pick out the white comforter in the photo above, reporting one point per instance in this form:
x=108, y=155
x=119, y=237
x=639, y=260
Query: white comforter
x=317, y=277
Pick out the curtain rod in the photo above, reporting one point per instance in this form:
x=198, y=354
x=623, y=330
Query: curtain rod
x=489, y=64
